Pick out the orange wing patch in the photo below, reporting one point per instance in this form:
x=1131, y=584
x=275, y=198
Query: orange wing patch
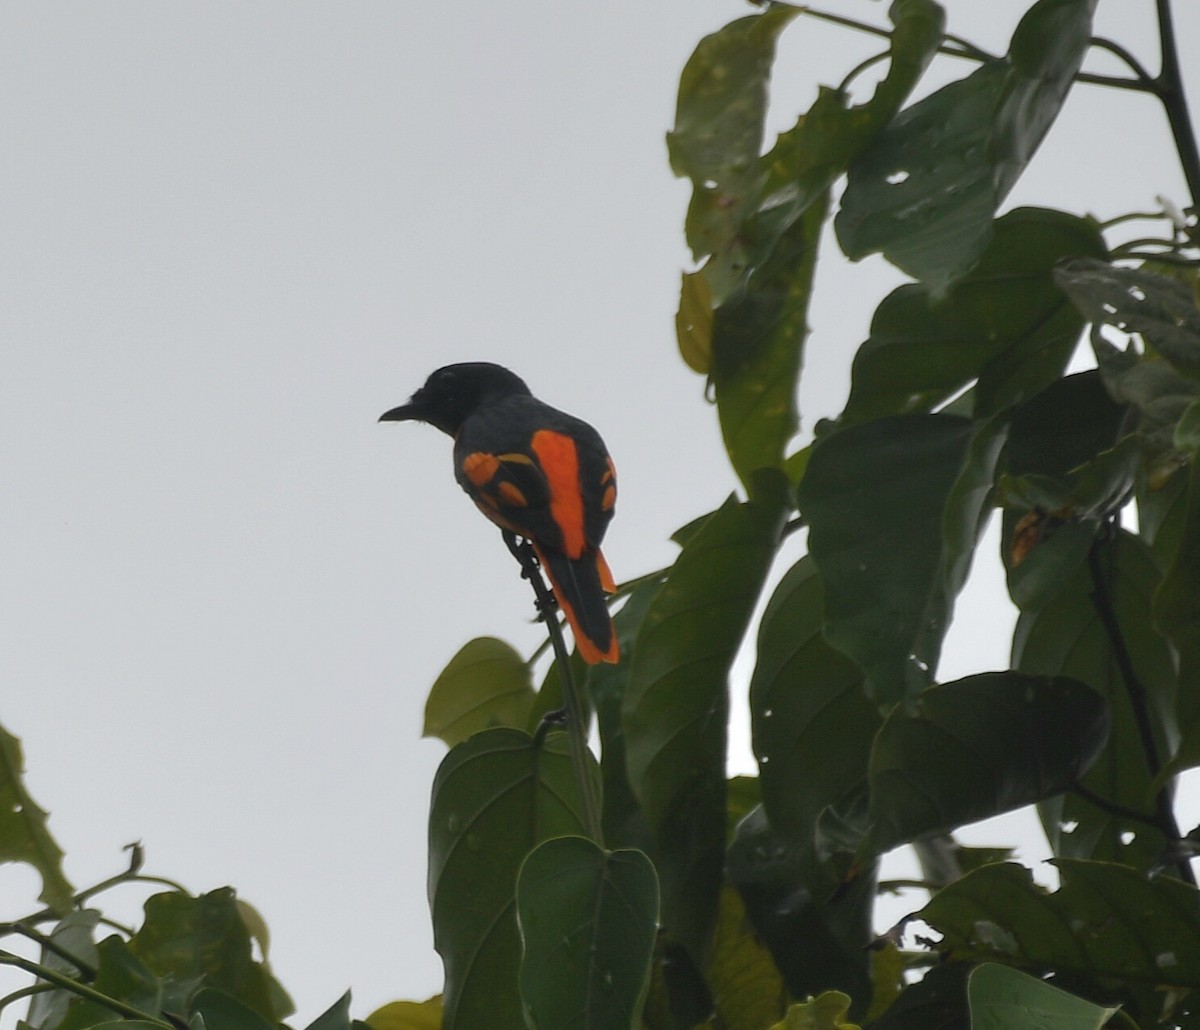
x=511, y=495
x=559, y=460
x=480, y=467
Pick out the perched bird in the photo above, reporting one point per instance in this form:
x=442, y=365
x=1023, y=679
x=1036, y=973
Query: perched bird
x=536, y=472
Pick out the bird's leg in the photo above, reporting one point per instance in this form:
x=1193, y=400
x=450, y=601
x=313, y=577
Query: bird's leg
x=526, y=556
x=544, y=602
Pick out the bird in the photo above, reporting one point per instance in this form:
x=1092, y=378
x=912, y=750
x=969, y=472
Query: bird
x=535, y=472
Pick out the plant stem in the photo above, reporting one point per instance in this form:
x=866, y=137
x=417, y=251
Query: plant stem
x=572, y=706
x=80, y=990
x=1134, y=65
x=1170, y=91
x=1139, y=701
x=47, y=943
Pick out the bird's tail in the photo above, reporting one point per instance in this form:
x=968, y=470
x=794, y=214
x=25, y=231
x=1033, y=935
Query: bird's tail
x=579, y=587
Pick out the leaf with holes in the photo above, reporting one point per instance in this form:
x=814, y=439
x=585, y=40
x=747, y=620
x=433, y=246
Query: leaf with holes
x=925, y=192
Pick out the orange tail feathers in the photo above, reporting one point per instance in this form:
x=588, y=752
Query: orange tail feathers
x=579, y=587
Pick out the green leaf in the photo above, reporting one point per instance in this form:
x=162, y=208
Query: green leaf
x=758, y=343
x=978, y=747
x=121, y=976
x=694, y=322
x=24, y=835
x=205, y=939
x=1157, y=307
x=75, y=935
x=222, y=1011
x=1006, y=324
x=742, y=316
x=747, y=990
x=486, y=684
x=623, y=822
x=408, y=1015
x=1006, y=999
x=811, y=720
x=894, y=507
x=938, y=1000
x=336, y=1017
x=495, y=798
x=925, y=192
x=587, y=919
x=1177, y=615
x=1107, y=927
x=808, y=158
x=825, y=1012
x=718, y=130
x=676, y=705
x=1065, y=636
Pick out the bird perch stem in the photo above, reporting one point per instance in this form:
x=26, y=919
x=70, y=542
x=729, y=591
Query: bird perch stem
x=573, y=710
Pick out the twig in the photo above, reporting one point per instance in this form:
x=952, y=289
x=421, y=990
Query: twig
x=1139, y=702
x=81, y=990
x=1134, y=65
x=1170, y=91
x=48, y=943
x=523, y=551
x=1113, y=808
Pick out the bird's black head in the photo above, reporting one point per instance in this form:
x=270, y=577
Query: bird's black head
x=452, y=393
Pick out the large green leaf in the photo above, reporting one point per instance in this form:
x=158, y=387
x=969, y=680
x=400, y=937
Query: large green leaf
x=676, y=705
x=742, y=316
x=485, y=684
x=809, y=157
x=1065, y=636
x=894, y=508
x=976, y=748
x=811, y=720
x=587, y=919
x=495, y=798
x=205, y=938
x=1006, y=324
x=758, y=343
x=1108, y=928
x=925, y=192
x=718, y=130
x=24, y=835
x=1002, y=998
x=623, y=822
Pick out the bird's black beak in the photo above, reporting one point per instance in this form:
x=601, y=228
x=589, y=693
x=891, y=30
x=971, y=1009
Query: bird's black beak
x=404, y=413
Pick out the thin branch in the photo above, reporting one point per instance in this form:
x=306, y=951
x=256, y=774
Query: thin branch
x=1113, y=808
x=1170, y=90
x=81, y=990
x=523, y=551
x=48, y=943
x=1139, y=701
x=1134, y=65
x=136, y=857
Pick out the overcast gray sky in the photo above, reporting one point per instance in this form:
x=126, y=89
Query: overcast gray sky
x=233, y=234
